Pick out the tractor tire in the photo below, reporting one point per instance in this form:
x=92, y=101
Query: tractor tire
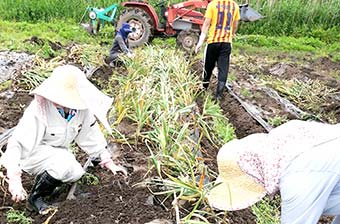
x=142, y=23
x=187, y=40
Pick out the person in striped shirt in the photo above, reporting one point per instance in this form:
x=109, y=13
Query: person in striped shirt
x=221, y=20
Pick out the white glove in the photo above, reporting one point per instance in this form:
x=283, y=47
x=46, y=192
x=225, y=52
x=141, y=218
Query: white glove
x=15, y=186
x=130, y=54
x=200, y=42
x=114, y=168
x=107, y=162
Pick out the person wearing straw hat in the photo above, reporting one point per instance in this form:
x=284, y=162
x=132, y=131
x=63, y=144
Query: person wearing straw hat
x=65, y=109
x=299, y=159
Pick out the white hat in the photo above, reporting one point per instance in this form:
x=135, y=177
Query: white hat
x=235, y=190
x=69, y=87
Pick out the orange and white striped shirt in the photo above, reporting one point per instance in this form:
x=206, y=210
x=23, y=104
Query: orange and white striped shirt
x=222, y=13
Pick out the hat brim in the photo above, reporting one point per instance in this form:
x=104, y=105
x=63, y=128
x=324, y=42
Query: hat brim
x=236, y=189
x=235, y=194
x=69, y=98
x=68, y=86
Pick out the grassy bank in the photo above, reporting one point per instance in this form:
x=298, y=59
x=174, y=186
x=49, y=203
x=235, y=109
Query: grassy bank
x=47, y=10
x=296, y=17
x=318, y=19
x=16, y=36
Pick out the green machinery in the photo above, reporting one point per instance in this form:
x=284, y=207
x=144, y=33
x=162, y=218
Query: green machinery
x=98, y=17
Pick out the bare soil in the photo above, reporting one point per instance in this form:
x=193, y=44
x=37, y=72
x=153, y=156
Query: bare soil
x=119, y=199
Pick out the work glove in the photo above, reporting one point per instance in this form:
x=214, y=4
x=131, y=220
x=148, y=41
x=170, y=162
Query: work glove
x=108, y=163
x=15, y=186
x=130, y=54
x=200, y=42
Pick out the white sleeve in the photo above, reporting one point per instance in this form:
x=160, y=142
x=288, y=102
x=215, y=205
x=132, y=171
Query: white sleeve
x=90, y=138
x=26, y=136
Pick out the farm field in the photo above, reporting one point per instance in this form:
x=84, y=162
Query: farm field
x=166, y=130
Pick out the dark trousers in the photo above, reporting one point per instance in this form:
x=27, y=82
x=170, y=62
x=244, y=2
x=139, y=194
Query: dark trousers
x=220, y=53
x=114, y=56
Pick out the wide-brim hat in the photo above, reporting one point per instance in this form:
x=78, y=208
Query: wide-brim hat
x=235, y=189
x=68, y=86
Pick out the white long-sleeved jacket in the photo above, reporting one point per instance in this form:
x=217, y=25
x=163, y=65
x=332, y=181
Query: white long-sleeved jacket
x=41, y=134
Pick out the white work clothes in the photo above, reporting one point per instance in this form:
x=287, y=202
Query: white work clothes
x=310, y=185
x=40, y=144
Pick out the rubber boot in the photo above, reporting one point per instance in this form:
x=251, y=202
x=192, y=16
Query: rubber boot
x=205, y=85
x=219, y=90
x=44, y=186
x=112, y=64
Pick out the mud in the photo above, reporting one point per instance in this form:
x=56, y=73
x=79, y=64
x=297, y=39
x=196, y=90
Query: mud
x=12, y=106
x=119, y=199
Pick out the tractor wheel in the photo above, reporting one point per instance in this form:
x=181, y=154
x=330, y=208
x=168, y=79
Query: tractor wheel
x=141, y=22
x=187, y=40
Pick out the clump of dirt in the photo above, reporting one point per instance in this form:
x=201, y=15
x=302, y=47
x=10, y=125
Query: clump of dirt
x=34, y=40
x=243, y=123
x=12, y=106
x=117, y=199
x=101, y=76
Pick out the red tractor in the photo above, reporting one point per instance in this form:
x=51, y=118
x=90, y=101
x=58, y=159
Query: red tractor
x=183, y=20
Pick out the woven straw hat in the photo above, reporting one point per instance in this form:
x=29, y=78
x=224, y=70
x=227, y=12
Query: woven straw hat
x=69, y=87
x=235, y=190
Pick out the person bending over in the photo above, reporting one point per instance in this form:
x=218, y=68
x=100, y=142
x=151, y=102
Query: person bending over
x=299, y=159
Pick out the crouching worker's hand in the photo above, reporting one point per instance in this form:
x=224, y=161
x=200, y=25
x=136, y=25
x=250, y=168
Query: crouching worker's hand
x=130, y=54
x=109, y=164
x=15, y=186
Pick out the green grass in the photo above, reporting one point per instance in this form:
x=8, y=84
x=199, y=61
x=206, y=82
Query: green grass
x=16, y=35
x=89, y=179
x=298, y=18
x=18, y=217
x=277, y=120
x=289, y=45
x=267, y=211
x=5, y=85
x=47, y=10
x=295, y=17
x=245, y=92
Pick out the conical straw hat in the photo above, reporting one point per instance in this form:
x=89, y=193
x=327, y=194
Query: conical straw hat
x=235, y=190
x=69, y=87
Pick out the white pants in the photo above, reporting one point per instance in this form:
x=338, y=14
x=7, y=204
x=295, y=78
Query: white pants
x=310, y=186
x=60, y=163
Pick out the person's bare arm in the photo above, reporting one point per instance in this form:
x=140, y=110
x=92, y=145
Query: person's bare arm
x=235, y=27
x=206, y=25
x=205, y=29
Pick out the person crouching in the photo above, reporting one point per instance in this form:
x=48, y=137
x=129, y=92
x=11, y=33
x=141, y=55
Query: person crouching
x=65, y=109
